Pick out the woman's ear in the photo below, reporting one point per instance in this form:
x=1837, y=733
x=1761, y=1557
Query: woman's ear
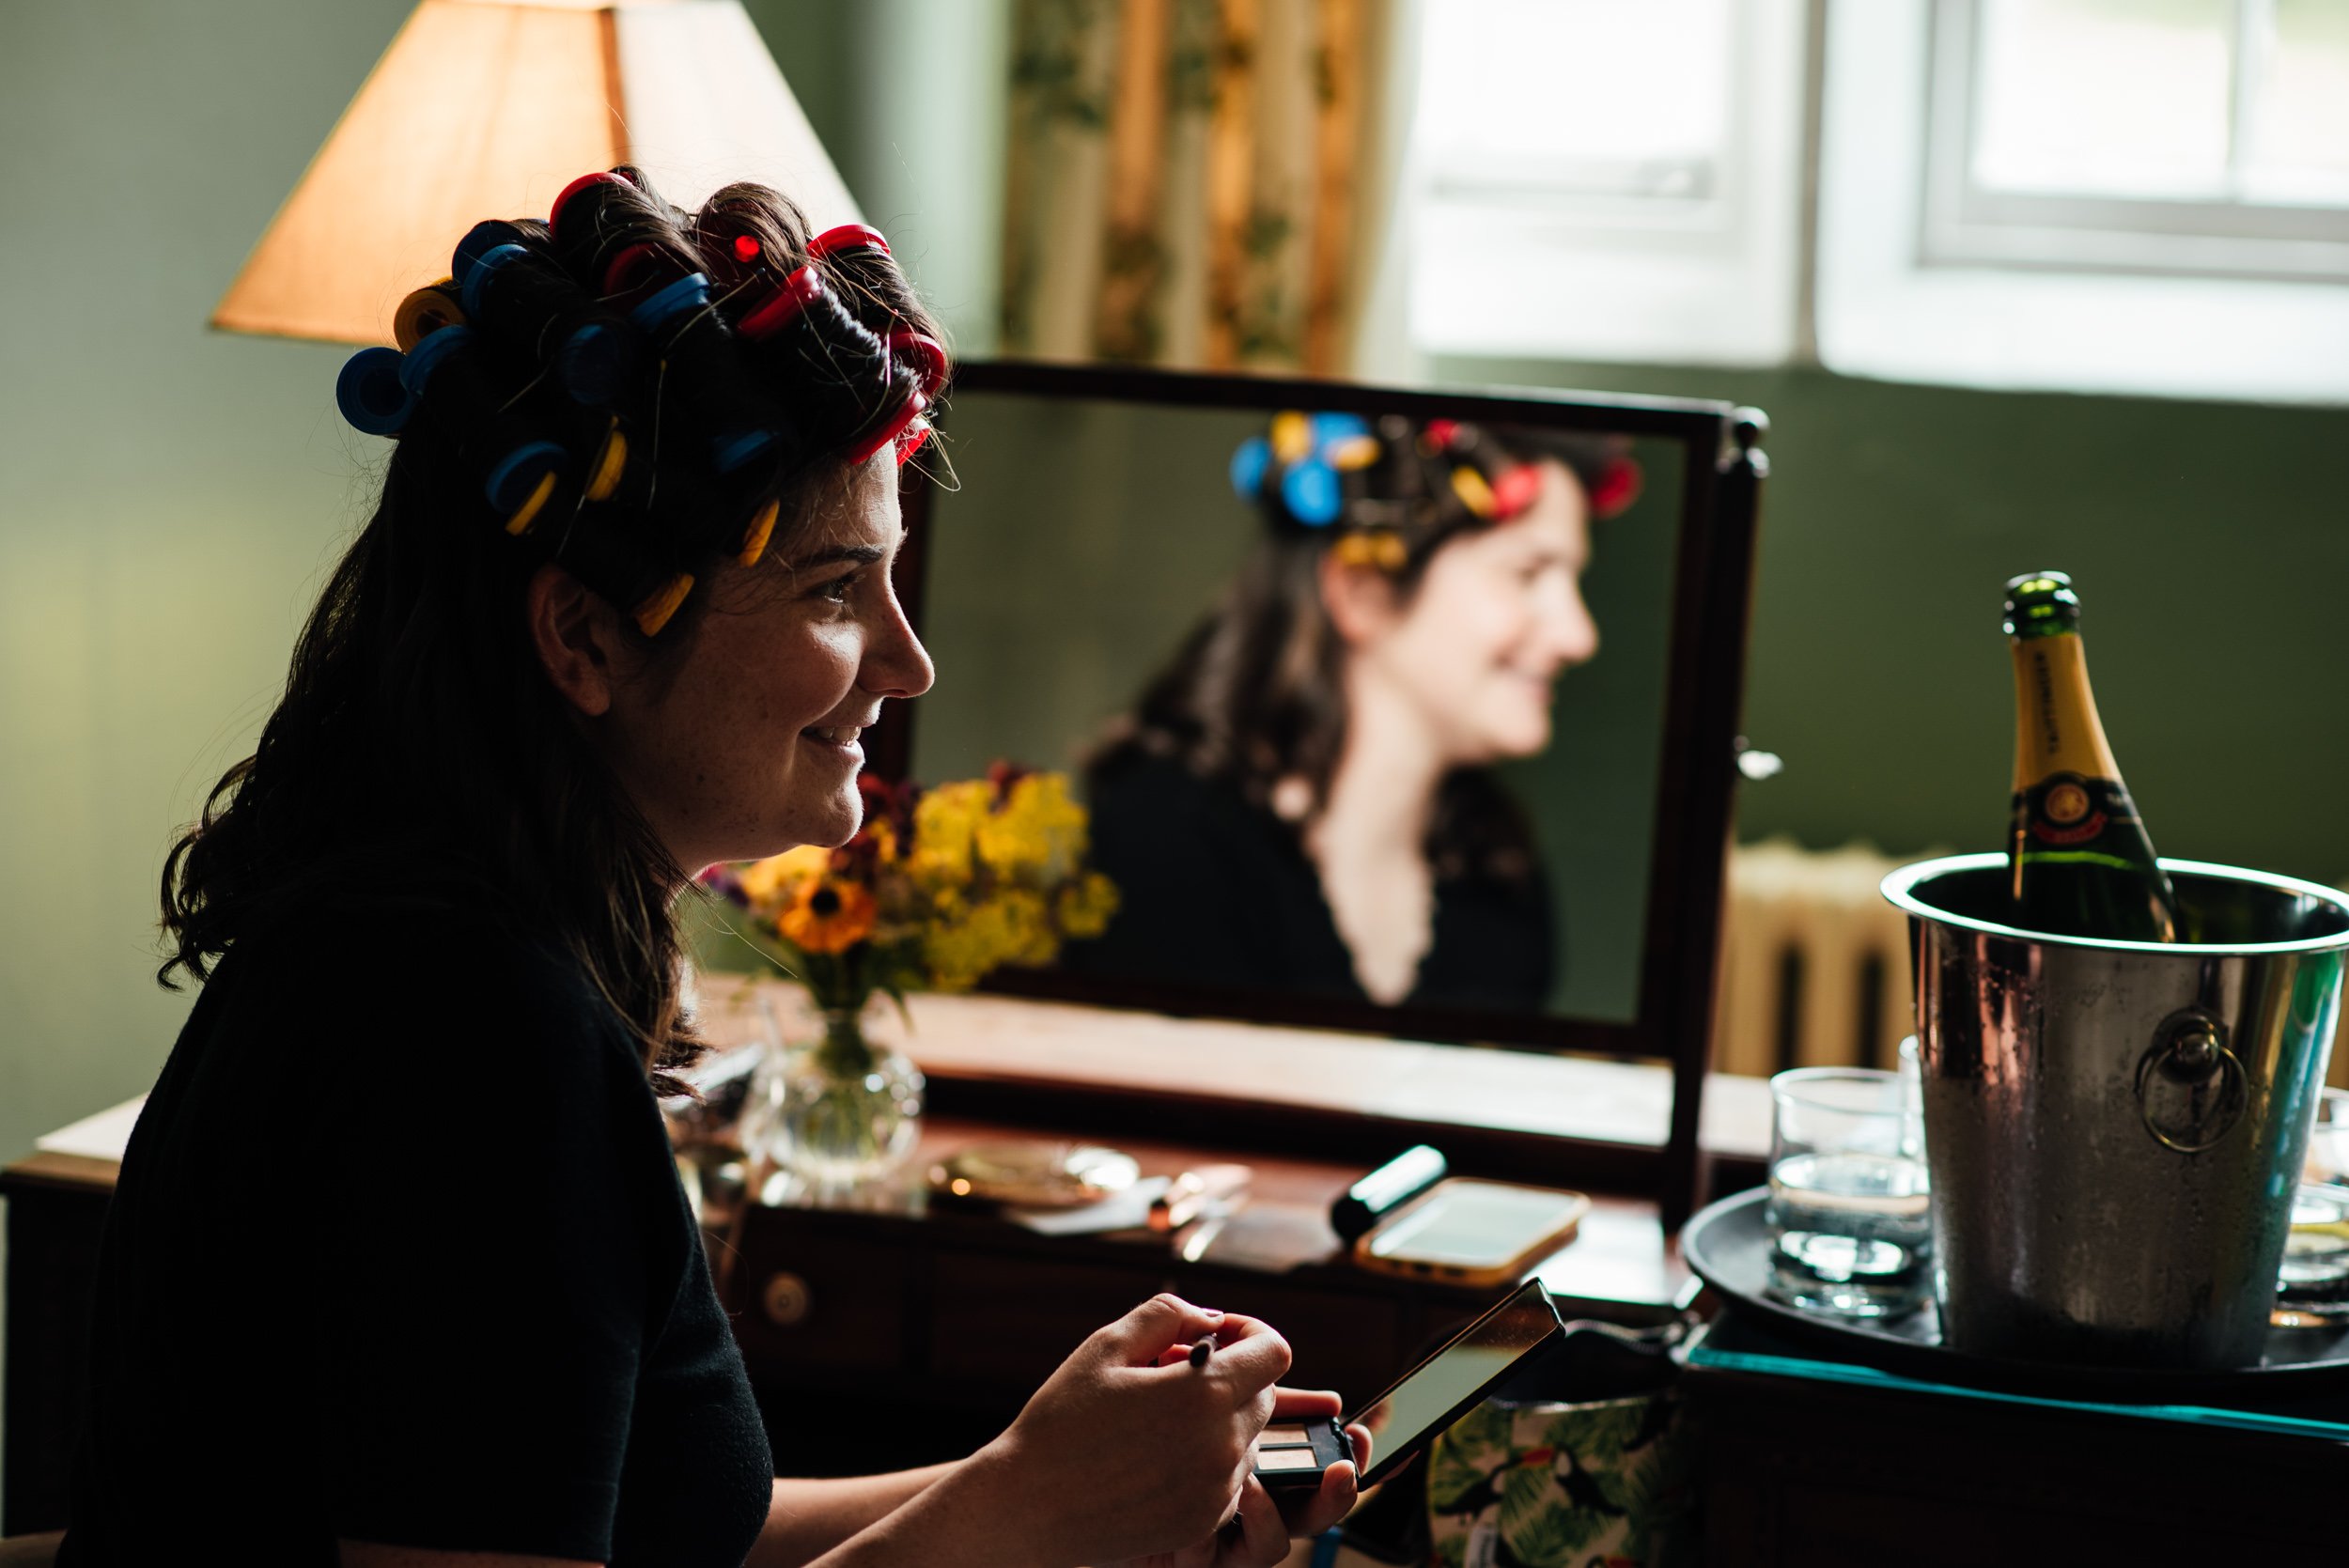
x=577, y=638
x=1359, y=600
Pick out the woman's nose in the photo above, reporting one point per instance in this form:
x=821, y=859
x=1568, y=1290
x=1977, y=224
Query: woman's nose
x=895, y=662
x=1572, y=634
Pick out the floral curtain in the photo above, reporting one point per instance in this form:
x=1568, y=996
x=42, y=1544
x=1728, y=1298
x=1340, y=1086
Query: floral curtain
x=1186, y=180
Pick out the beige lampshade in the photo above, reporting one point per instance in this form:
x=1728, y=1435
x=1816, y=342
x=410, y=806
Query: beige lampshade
x=486, y=109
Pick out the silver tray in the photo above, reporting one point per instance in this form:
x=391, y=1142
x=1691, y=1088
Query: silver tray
x=1728, y=1247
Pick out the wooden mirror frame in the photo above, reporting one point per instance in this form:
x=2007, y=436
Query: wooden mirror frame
x=1722, y=469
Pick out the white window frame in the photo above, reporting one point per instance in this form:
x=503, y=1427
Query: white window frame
x=1521, y=266
x=1888, y=306
x=2229, y=234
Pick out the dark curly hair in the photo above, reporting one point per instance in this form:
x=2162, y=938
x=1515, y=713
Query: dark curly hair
x=419, y=758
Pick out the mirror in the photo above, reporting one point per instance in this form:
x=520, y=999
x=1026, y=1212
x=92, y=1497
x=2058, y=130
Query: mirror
x=1404, y=743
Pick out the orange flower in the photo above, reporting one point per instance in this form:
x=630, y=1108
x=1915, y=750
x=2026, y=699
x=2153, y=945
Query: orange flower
x=829, y=916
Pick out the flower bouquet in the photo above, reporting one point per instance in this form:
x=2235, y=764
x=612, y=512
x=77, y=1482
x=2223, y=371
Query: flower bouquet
x=937, y=888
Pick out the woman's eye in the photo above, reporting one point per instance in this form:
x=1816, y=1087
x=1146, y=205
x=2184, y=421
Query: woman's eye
x=837, y=589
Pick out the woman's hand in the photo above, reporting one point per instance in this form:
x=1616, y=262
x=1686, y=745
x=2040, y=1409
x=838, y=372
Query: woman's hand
x=1118, y=1456
x=1259, y=1534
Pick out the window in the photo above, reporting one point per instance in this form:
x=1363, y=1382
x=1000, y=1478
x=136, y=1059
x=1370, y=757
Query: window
x=1595, y=180
x=2145, y=197
x=2093, y=196
x=2205, y=137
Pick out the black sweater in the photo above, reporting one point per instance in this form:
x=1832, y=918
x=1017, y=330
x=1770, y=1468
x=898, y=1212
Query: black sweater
x=404, y=1258
x=1218, y=891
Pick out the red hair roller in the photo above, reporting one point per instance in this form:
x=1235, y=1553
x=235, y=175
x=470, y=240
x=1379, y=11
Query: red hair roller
x=779, y=309
x=890, y=428
x=562, y=198
x=1516, y=488
x=630, y=270
x=926, y=354
x=848, y=237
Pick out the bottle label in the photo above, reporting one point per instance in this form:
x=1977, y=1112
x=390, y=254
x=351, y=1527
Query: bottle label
x=2057, y=728
x=2065, y=809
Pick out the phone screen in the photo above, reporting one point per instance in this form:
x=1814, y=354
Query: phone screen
x=1438, y=1389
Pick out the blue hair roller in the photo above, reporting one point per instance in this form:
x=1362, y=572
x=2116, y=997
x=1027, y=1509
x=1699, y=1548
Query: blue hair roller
x=689, y=292
x=1330, y=429
x=1248, y=467
x=426, y=356
x=372, y=391
x=480, y=241
x=729, y=453
x=484, y=267
x=519, y=472
x=593, y=363
x=1310, y=490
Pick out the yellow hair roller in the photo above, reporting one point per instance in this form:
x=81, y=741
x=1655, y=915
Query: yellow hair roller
x=1474, y=493
x=754, y=542
x=610, y=464
x=525, y=514
x=426, y=312
x=654, y=611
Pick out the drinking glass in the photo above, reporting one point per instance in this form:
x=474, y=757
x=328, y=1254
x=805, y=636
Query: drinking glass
x=1851, y=1231
x=2312, y=1284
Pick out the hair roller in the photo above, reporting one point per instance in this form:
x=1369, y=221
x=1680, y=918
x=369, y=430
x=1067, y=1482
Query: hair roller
x=426, y=312
x=895, y=419
x=540, y=312
x=480, y=241
x=837, y=370
x=371, y=393
x=596, y=216
x=610, y=179
x=658, y=311
x=846, y=237
x=786, y=305
x=923, y=354
x=522, y=461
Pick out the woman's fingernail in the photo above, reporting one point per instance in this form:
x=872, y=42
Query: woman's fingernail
x=1210, y=1311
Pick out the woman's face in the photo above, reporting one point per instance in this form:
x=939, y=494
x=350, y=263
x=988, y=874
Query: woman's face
x=1477, y=649
x=753, y=743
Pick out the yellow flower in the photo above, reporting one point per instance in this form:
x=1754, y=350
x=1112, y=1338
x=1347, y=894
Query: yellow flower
x=946, y=824
x=829, y=916
x=1012, y=927
x=1087, y=905
x=1038, y=835
x=766, y=881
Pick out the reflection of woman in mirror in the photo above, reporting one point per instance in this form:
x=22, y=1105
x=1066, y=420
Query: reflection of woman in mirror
x=1303, y=799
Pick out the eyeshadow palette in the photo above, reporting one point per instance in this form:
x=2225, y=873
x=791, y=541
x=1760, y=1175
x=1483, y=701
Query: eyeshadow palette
x=1291, y=1454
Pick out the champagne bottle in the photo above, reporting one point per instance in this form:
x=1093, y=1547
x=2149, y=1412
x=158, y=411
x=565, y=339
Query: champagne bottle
x=2079, y=863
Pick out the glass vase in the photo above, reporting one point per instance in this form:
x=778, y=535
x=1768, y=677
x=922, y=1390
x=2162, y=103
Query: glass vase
x=847, y=1112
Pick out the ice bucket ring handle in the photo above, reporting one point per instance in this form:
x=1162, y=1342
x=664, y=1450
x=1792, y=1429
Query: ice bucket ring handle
x=2189, y=1083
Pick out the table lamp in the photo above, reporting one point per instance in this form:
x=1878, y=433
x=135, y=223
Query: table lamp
x=487, y=108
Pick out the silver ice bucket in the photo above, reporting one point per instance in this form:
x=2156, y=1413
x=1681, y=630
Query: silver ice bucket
x=2115, y=1130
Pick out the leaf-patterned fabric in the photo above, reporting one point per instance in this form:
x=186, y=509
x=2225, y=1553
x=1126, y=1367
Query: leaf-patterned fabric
x=1563, y=1486
x=1187, y=179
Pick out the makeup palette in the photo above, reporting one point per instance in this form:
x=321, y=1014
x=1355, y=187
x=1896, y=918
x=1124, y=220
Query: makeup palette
x=1291, y=1454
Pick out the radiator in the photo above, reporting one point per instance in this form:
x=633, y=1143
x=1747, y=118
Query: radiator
x=1815, y=963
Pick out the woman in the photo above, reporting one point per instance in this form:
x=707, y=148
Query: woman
x=624, y=611
x=1302, y=801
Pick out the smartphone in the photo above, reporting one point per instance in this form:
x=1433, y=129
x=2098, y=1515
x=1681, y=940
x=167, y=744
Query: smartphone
x=1450, y=1383
x=1473, y=1232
